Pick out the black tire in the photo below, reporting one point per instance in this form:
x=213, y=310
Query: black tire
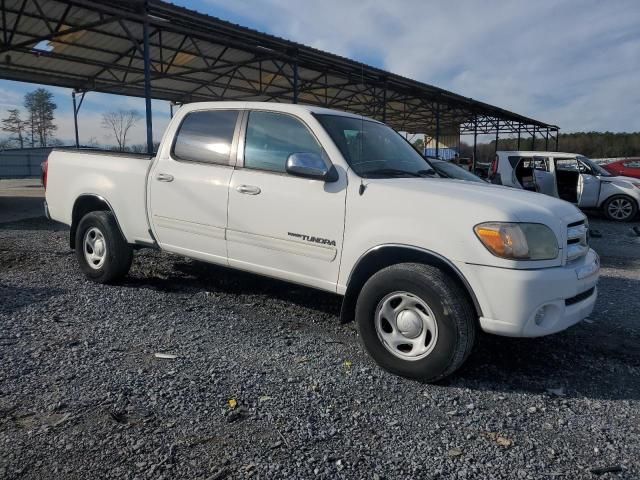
x=455, y=318
x=118, y=254
x=633, y=208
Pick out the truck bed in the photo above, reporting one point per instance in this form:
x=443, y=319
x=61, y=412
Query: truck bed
x=117, y=177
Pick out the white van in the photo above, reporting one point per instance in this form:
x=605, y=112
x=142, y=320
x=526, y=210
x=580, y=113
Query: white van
x=571, y=177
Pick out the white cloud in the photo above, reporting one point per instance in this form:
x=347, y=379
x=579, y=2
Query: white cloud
x=10, y=99
x=573, y=63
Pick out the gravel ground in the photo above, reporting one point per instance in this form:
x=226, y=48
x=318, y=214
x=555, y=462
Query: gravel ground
x=82, y=394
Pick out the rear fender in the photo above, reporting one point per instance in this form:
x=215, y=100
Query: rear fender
x=84, y=204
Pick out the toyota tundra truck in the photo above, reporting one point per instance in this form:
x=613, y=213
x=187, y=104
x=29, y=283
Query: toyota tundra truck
x=341, y=203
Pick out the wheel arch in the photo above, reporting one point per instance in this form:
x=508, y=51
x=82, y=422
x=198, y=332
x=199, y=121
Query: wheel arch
x=382, y=256
x=87, y=203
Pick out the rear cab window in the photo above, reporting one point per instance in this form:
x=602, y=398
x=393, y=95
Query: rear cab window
x=206, y=136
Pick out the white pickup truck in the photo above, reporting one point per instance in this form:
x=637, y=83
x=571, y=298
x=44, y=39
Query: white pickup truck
x=341, y=203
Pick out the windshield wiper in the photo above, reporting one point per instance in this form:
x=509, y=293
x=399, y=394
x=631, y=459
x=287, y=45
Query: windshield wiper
x=396, y=172
x=427, y=173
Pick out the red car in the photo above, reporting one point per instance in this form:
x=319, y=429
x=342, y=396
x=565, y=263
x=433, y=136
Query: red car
x=629, y=167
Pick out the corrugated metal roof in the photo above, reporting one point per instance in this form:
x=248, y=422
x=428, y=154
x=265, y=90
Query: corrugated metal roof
x=97, y=45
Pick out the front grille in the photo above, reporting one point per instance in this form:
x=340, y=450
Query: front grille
x=580, y=297
x=577, y=240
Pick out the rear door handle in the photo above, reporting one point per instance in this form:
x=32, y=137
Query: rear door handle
x=164, y=177
x=248, y=189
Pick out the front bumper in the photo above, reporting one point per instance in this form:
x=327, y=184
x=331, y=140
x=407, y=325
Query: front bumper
x=510, y=299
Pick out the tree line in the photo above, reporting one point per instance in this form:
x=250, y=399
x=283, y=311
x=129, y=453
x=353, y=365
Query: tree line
x=589, y=144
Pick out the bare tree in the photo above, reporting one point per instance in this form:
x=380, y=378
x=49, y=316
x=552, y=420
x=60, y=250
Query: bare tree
x=15, y=125
x=119, y=123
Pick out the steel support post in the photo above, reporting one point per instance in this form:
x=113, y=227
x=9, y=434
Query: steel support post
x=75, y=118
x=384, y=103
x=497, y=133
x=519, y=133
x=147, y=83
x=295, y=81
x=546, y=141
x=533, y=140
x=76, y=109
x=475, y=142
x=557, y=139
x=437, y=130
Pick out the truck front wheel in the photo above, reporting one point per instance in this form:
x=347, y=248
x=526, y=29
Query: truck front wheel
x=415, y=321
x=102, y=252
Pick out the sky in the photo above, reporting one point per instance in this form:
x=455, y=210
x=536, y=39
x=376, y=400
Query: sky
x=572, y=63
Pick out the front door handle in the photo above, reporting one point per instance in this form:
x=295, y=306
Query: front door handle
x=164, y=177
x=248, y=189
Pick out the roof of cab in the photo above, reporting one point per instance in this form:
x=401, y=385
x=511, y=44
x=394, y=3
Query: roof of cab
x=272, y=106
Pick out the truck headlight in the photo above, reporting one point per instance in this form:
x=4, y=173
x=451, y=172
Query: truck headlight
x=518, y=241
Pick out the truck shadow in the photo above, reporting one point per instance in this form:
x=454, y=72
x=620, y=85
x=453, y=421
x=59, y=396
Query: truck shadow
x=194, y=276
x=36, y=223
x=598, y=359
x=25, y=296
x=606, y=371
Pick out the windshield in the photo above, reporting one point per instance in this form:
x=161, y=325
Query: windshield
x=373, y=149
x=451, y=170
x=595, y=168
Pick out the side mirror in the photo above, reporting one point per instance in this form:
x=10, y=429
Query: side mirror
x=310, y=165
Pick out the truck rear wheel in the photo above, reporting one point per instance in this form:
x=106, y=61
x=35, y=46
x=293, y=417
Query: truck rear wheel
x=103, y=254
x=415, y=321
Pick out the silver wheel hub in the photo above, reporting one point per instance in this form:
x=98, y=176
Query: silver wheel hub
x=620, y=208
x=95, y=248
x=409, y=323
x=406, y=326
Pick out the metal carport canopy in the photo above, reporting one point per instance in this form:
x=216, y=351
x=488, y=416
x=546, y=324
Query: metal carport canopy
x=188, y=56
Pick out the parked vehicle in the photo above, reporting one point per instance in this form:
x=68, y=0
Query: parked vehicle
x=571, y=177
x=340, y=203
x=629, y=167
x=451, y=170
x=482, y=170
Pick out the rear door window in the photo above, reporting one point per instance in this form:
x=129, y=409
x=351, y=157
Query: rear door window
x=206, y=136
